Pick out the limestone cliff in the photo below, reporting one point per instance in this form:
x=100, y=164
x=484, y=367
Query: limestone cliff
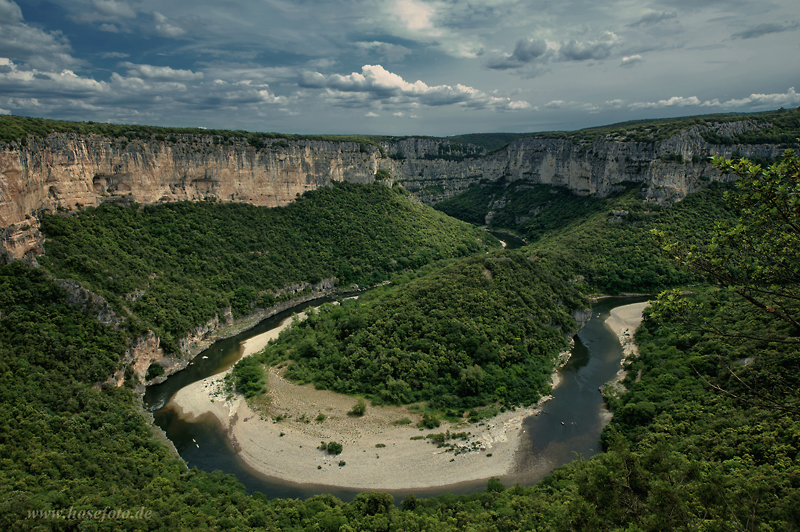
x=66, y=170
x=63, y=171
x=670, y=169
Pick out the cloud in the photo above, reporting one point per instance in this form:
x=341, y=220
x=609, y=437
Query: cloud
x=114, y=9
x=109, y=28
x=415, y=15
x=587, y=50
x=9, y=12
x=555, y=104
x=375, y=83
x=114, y=55
x=40, y=49
x=789, y=98
x=629, y=61
x=526, y=51
x=4, y=111
x=165, y=28
x=764, y=29
x=160, y=73
x=372, y=115
x=653, y=18
x=393, y=53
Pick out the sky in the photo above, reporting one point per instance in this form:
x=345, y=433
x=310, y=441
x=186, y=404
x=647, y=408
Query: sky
x=395, y=67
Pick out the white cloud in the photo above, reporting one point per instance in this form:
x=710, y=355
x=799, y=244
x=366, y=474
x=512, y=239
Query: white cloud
x=110, y=28
x=675, y=101
x=160, y=73
x=9, y=12
x=629, y=61
x=375, y=83
x=165, y=28
x=40, y=49
x=372, y=115
x=416, y=16
x=4, y=111
x=114, y=9
x=788, y=98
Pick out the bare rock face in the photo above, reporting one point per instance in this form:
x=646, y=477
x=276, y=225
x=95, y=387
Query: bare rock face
x=671, y=169
x=66, y=170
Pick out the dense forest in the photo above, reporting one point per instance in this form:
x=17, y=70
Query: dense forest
x=175, y=266
x=606, y=241
x=705, y=433
x=480, y=331
x=680, y=454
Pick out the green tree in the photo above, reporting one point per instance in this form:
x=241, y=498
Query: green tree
x=758, y=257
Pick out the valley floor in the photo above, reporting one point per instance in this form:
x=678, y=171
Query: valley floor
x=289, y=449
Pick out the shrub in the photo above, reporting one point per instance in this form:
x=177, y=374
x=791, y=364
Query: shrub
x=155, y=370
x=334, y=448
x=429, y=421
x=358, y=409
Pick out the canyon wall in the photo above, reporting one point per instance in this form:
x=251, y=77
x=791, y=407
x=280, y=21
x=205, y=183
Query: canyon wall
x=670, y=169
x=64, y=171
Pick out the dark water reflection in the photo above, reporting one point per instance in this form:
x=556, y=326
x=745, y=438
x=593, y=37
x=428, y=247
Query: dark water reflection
x=511, y=241
x=570, y=424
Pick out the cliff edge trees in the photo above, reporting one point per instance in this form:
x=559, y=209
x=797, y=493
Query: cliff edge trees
x=757, y=257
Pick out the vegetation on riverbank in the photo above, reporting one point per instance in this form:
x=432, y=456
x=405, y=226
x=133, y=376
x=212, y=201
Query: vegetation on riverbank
x=680, y=455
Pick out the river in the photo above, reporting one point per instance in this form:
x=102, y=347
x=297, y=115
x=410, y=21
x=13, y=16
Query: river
x=569, y=426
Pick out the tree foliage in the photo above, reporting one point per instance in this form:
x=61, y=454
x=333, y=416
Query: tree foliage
x=482, y=329
x=757, y=257
x=174, y=266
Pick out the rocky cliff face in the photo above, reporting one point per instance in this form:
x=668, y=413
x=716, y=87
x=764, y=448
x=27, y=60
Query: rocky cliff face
x=671, y=169
x=63, y=171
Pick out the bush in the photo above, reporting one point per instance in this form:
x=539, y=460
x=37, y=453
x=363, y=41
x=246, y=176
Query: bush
x=358, y=409
x=155, y=370
x=429, y=421
x=334, y=448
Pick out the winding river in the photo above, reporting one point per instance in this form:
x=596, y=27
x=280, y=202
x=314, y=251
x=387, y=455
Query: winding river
x=569, y=426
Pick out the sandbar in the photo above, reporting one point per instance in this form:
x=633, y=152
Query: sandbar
x=281, y=436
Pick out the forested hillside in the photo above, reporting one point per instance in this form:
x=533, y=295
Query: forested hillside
x=482, y=330
x=606, y=241
x=175, y=266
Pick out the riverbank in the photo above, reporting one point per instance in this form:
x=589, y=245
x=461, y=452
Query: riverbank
x=281, y=437
x=624, y=321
